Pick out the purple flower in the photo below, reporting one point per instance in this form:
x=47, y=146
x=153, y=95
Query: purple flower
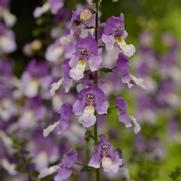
x=86, y=53
x=5, y=69
x=67, y=79
x=63, y=122
x=54, y=51
x=42, y=151
x=7, y=39
x=115, y=26
x=32, y=113
x=127, y=78
x=61, y=47
x=35, y=76
x=105, y=156
x=55, y=5
x=114, y=35
x=128, y=121
x=88, y=101
x=152, y=147
x=8, y=18
x=81, y=18
x=64, y=169
x=123, y=66
x=4, y=3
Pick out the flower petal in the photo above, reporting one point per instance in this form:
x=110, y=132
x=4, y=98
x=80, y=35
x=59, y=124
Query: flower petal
x=48, y=171
x=94, y=161
x=55, y=86
x=136, y=126
x=109, y=166
x=94, y=62
x=88, y=119
x=50, y=128
x=127, y=49
x=77, y=72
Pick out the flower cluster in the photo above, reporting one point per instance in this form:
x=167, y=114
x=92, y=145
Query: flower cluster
x=57, y=117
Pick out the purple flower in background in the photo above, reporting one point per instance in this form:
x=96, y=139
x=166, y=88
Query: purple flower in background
x=6, y=151
x=152, y=147
x=53, y=5
x=64, y=121
x=65, y=80
x=35, y=77
x=42, y=151
x=61, y=48
x=4, y=3
x=64, y=169
x=86, y=53
x=54, y=51
x=115, y=34
x=88, y=101
x=7, y=39
x=68, y=82
x=128, y=121
x=106, y=157
x=167, y=88
x=9, y=19
x=32, y=113
x=5, y=69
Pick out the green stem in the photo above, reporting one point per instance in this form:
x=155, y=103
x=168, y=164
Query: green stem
x=95, y=141
x=95, y=79
x=95, y=133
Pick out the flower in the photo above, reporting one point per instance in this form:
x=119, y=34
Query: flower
x=63, y=122
x=7, y=39
x=115, y=34
x=127, y=78
x=5, y=14
x=81, y=19
x=129, y=121
x=66, y=80
x=53, y=5
x=88, y=101
x=86, y=53
x=35, y=77
x=105, y=156
x=64, y=169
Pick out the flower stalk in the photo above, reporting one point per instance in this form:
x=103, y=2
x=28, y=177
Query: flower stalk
x=95, y=79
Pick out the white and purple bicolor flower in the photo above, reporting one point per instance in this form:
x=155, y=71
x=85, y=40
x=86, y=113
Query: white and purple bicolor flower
x=7, y=40
x=128, y=121
x=81, y=19
x=127, y=78
x=53, y=5
x=8, y=18
x=114, y=35
x=35, y=77
x=86, y=53
x=64, y=121
x=90, y=100
x=66, y=80
x=106, y=157
x=64, y=169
